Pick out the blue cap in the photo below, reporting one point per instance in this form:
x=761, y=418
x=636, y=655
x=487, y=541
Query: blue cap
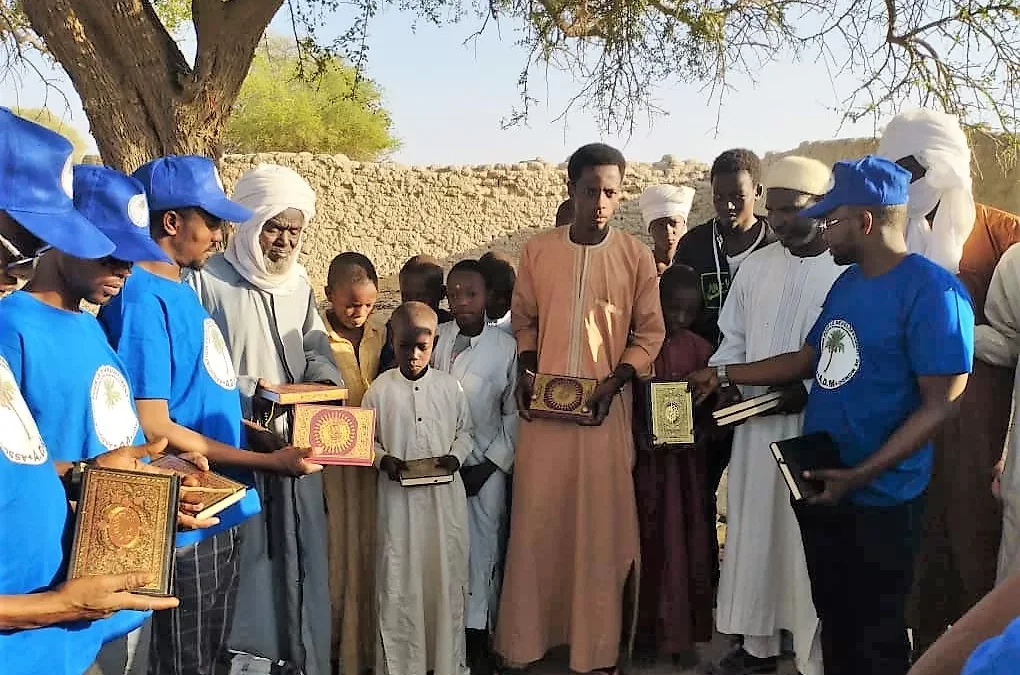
x=871, y=181
x=188, y=181
x=116, y=204
x=36, y=188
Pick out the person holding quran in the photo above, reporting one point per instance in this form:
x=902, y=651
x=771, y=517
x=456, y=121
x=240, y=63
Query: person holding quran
x=586, y=305
x=890, y=354
x=763, y=586
x=260, y=298
x=185, y=389
x=956, y=564
x=47, y=626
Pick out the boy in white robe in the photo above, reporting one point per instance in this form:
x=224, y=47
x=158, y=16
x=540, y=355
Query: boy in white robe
x=484, y=361
x=422, y=554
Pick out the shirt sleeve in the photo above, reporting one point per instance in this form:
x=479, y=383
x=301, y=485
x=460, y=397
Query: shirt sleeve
x=647, y=327
x=369, y=401
x=319, y=363
x=997, y=341
x=144, y=347
x=501, y=451
x=463, y=439
x=815, y=334
x=940, y=329
x=524, y=305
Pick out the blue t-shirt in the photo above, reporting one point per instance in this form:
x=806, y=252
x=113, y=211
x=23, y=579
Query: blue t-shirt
x=72, y=380
x=999, y=655
x=34, y=539
x=172, y=350
x=873, y=339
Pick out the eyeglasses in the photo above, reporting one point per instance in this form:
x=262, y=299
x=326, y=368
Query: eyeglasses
x=824, y=225
x=22, y=264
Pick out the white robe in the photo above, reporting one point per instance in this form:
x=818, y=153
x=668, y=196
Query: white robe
x=764, y=585
x=422, y=554
x=487, y=370
x=997, y=343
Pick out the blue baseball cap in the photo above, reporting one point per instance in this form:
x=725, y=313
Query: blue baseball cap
x=37, y=188
x=870, y=181
x=188, y=181
x=116, y=204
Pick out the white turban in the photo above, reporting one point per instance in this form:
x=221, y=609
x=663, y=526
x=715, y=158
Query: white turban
x=665, y=201
x=801, y=174
x=268, y=190
x=937, y=142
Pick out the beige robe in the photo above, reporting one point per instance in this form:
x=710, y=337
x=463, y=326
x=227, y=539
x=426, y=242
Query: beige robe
x=574, y=533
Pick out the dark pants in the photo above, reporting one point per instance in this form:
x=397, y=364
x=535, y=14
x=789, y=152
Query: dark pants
x=861, y=563
x=192, y=639
x=716, y=460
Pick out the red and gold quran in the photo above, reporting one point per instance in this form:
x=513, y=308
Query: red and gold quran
x=126, y=522
x=290, y=394
x=562, y=396
x=336, y=434
x=218, y=492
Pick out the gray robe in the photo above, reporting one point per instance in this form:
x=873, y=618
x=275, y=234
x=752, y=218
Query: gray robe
x=282, y=609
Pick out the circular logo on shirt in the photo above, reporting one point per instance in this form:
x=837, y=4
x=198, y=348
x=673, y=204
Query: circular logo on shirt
x=67, y=178
x=113, y=415
x=840, y=358
x=216, y=357
x=19, y=436
x=138, y=210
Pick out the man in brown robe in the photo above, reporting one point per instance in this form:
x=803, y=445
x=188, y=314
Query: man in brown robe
x=580, y=290
x=963, y=522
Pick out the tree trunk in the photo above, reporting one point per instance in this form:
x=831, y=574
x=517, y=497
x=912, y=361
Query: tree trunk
x=142, y=98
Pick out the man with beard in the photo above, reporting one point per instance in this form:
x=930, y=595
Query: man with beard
x=259, y=296
x=956, y=565
x=185, y=388
x=764, y=587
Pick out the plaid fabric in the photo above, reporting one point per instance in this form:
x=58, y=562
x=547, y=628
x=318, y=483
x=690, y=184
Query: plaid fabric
x=191, y=639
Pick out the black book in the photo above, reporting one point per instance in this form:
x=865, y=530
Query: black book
x=812, y=452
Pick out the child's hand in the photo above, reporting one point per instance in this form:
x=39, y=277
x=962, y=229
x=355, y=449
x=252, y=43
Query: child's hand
x=448, y=463
x=391, y=466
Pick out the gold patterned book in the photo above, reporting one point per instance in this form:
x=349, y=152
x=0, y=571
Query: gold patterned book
x=424, y=472
x=305, y=392
x=218, y=491
x=671, y=413
x=126, y=522
x=336, y=434
x=562, y=396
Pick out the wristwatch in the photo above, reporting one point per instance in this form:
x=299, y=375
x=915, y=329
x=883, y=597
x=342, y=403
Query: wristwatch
x=720, y=374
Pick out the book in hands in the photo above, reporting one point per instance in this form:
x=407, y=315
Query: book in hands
x=424, y=472
x=337, y=435
x=302, y=392
x=562, y=397
x=812, y=452
x=218, y=492
x=671, y=414
x=126, y=522
x=746, y=409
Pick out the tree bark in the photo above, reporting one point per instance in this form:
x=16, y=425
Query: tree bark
x=142, y=98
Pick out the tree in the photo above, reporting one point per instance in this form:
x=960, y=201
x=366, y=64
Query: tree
x=47, y=119
x=278, y=111
x=143, y=98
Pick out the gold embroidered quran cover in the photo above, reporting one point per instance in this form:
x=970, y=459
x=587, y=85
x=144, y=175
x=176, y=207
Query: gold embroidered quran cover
x=336, y=434
x=562, y=396
x=671, y=409
x=126, y=522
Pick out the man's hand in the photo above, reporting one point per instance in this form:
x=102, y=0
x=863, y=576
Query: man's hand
x=525, y=394
x=391, y=466
x=838, y=482
x=601, y=400
x=448, y=463
x=706, y=383
x=128, y=457
x=100, y=596
x=291, y=461
x=793, y=401
x=997, y=479
x=475, y=476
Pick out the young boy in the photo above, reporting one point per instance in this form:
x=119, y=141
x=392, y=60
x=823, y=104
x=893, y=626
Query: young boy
x=484, y=361
x=422, y=559
x=664, y=209
x=421, y=280
x=675, y=601
x=356, y=338
x=500, y=279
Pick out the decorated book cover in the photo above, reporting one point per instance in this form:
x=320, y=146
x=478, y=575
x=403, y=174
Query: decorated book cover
x=218, y=491
x=305, y=392
x=126, y=522
x=562, y=396
x=336, y=434
x=671, y=413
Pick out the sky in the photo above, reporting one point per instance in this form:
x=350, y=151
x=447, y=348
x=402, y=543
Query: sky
x=447, y=100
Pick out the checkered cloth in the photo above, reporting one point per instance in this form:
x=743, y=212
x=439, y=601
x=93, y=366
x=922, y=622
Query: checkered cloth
x=192, y=639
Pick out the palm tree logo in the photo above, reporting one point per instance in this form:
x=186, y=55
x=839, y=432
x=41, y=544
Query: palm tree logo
x=834, y=345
